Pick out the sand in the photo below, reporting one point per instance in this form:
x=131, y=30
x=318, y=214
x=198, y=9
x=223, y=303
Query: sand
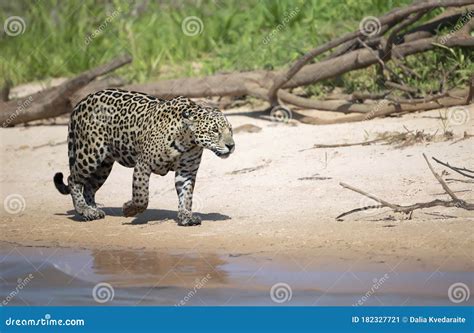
x=273, y=197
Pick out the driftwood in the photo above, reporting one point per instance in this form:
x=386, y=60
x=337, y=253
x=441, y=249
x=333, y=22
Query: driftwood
x=386, y=108
x=96, y=85
x=446, y=19
x=454, y=202
x=389, y=19
x=430, y=28
x=238, y=84
x=54, y=101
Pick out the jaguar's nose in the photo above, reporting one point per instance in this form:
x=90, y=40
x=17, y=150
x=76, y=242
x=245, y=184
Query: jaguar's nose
x=231, y=147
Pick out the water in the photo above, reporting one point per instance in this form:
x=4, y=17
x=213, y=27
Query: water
x=61, y=276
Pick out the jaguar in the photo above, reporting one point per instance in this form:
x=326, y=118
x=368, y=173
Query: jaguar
x=148, y=134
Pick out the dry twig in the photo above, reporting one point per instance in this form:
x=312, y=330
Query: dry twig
x=462, y=171
x=465, y=137
x=337, y=145
x=454, y=202
x=49, y=144
x=399, y=139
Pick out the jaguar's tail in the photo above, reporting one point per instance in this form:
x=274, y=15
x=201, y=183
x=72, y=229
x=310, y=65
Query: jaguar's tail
x=58, y=177
x=59, y=183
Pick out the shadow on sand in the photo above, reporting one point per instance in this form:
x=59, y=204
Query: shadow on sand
x=150, y=215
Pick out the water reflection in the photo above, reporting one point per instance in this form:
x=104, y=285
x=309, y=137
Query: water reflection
x=134, y=268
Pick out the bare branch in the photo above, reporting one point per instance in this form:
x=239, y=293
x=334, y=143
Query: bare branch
x=401, y=87
x=462, y=171
x=441, y=181
x=393, y=16
x=454, y=202
x=338, y=145
x=368, y=195
x=394, y=34
x=471, y=91
x=425, y=99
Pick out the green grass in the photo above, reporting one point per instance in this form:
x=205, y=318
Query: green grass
x=55, y=42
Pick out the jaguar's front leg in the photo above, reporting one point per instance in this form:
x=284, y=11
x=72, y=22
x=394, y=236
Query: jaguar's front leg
x=185, y=179
x=141, y=180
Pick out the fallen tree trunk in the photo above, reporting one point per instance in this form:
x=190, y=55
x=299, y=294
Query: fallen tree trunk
x=386, y=108
x=94, y=86
x=54, y=101
x=428, y=29
x=238, y=84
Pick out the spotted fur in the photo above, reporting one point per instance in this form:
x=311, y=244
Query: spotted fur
x=145, y=133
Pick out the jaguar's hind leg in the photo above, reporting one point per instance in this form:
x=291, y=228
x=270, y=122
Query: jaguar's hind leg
x=96, y=180
x=84, y=181
x=89, y=194
x=81, y=206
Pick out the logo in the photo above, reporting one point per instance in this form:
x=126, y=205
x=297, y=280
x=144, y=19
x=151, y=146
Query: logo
x=192, y=26
x=281, y=293
x=103, y=292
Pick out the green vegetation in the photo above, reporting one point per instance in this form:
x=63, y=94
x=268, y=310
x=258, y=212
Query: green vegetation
x=63, y=38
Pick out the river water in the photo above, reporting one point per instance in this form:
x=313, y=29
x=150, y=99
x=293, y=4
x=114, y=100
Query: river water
x=63, y=276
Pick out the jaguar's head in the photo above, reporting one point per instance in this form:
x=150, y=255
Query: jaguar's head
x=210, y=128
